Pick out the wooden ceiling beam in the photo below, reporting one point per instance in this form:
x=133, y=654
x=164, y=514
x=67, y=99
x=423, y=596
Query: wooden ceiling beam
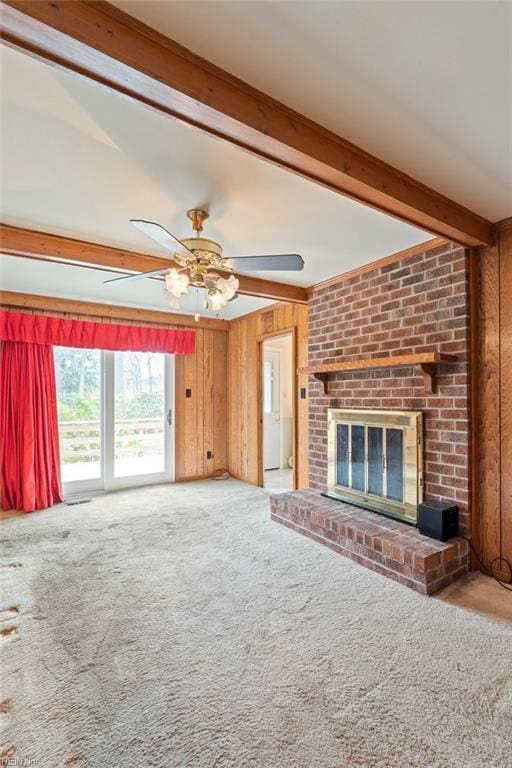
x=28, y=243
x=99, y=41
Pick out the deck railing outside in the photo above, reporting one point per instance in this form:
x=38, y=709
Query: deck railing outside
x=80, y=441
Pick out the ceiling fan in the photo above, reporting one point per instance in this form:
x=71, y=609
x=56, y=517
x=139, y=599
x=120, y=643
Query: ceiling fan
x=198, y=258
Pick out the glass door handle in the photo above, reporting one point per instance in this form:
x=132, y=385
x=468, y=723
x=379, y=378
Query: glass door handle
x=169, y=417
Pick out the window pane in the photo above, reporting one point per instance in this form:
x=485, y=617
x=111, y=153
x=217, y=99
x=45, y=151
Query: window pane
x=358, y=458
x=375, y=478
x=342, y=454
x=394, y=453
x=78, y=377
x=139, y=426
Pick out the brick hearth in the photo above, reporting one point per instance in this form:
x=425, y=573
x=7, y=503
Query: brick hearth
x=387, y=546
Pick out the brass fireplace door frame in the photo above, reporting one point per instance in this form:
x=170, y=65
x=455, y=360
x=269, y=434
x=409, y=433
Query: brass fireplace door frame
x=411, y=424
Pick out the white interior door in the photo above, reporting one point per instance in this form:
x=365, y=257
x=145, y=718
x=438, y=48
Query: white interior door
x=271, y=409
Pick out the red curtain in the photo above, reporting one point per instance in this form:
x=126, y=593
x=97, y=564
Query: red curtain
x=29, y=444
x=29, y=441
x=39, y=329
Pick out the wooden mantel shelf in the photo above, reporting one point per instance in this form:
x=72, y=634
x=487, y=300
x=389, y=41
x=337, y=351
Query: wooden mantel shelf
x=425, y=362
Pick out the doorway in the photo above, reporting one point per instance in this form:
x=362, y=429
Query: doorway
x=115, y=418
x=278, y=411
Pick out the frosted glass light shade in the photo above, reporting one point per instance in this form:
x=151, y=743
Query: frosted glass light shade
x=217, y=301
x=176, y=282
x=227, y=286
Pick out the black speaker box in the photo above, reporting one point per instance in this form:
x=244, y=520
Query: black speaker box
x=438, y=519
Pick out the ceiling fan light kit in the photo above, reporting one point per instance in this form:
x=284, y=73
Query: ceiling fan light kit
x=176, y=286
x=197, y=258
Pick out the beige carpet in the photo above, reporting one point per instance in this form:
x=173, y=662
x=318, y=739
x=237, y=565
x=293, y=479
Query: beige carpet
x=178, y=626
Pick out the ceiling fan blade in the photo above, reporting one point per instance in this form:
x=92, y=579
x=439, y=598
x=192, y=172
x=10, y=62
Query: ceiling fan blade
x=160, y=235
x=285, y=262
x=153, y=273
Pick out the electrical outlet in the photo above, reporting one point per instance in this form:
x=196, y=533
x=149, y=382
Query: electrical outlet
x=188, y=393
x=209, y=455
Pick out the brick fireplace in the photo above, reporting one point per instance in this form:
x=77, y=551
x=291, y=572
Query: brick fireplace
x=417, y=305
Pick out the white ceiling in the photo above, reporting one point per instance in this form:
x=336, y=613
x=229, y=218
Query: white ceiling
x=425, y=86
x=79, y=160
x=70, y=282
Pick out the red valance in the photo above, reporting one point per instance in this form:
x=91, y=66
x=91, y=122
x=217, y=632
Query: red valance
x=61, y=332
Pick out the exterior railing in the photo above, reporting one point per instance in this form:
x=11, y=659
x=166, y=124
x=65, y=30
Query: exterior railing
x=80, y=441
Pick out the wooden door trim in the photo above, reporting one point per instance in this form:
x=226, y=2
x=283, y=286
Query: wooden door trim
x=273, y=334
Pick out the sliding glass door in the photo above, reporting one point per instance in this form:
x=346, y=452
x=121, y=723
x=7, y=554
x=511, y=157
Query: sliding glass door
x=115, y=418
x=138, y=424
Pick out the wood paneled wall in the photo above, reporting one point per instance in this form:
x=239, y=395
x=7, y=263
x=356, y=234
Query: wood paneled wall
x=201, y=417
x=244, y=389
x=494, y=399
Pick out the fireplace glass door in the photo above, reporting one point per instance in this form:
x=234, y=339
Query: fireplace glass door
x=375, y=460
x=370, y=460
